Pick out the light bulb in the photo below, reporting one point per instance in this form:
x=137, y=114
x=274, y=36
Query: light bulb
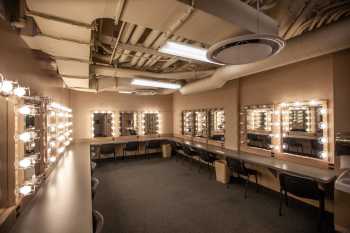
x=324, y=155
x=19, y=91
x=25, y=110
x=323, y=125
x=25, y=163
x=323, y=140
x=26, y=190
x=60, y=150
x=52, y=159
x=26, y=136
x=7, y=87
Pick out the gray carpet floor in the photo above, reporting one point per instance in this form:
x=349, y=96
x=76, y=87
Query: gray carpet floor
x=165, y=196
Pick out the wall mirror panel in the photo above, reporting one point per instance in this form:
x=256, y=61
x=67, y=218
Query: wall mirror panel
x=188, y=123
x=304, y=129
x=150, y=123
x=217, y=124
x=256, y=126
x=201, y=128
x=103, y=124
x=128, y=123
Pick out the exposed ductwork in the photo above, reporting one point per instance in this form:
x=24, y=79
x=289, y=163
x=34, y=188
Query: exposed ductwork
x=323, y=41
x=130, y=73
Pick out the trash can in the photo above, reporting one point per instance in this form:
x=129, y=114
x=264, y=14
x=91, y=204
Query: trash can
x=166, y=149
x=222, y=171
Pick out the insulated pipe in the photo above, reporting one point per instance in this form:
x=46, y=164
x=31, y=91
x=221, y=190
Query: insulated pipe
x=323, y=41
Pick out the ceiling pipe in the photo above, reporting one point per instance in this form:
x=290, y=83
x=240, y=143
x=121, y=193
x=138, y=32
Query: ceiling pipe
x=325, y=40
x=105, y=71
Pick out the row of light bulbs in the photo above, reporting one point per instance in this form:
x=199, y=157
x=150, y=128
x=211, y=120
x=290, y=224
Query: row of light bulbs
x=300, y=105
x=8, y=88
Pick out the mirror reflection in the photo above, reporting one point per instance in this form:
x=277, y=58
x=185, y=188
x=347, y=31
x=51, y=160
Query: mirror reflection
x=201, y=123
x=258, y=126
x=304, y=129
x=103, y=124
x=188, y=123
x=128, y=123
x=217, y=123
x=151, y=123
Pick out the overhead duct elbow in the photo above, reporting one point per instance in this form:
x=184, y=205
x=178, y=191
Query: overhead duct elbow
x=329, y=39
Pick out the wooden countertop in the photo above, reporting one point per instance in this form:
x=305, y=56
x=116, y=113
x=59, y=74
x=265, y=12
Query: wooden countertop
x=63, y=203
x=318, y=174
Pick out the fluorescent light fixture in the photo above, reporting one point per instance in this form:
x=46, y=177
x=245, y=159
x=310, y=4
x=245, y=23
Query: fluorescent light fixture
x=150, y=83
x=125, y=92
x=185, y=50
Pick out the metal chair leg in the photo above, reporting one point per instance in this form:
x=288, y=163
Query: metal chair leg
x=281, y=203
x=246, y=187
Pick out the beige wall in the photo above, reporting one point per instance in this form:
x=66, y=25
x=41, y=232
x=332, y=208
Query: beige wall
x=342, y=91
x=225, y=97
x=18, y=63
x=83, y=104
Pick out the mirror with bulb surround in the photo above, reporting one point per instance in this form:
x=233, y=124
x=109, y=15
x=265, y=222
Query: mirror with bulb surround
x=150, y=123
x=305, y=129
x=217, y=124
x=103, y=124
x=201, y=128
x=256, y=126
x=188, y=123
x=128, y=123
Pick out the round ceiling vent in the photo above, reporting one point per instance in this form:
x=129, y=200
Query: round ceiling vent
x=245, y=49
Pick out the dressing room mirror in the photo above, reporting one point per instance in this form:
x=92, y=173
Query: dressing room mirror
x=128, y=123
x=103, y=124
x=188, y=123
x=257, y=126
x=217, y=124
x=150, y=123
x=201, y=123
x=304, y=129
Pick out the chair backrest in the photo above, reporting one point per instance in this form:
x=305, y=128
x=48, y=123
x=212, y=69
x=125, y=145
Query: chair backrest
x=300, y=186
x=107, y=148
x=153, y=144
x=188, y=150
x=235, y=165
x=204, y=155
x=97, y=221
x=131, y=146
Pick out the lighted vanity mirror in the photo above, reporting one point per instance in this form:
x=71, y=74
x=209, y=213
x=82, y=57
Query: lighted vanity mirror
x=150, y=123
x=217, y=125
x=103, y=124
x=188, y=123
x=128, y=123
x=304, y=129
x=257, y=126
x=201, y=128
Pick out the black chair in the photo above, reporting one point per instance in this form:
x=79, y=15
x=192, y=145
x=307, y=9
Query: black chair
x=177, y=148
x=152, y=146
x=302, y=187
x=97, y=221
x=240, y=169
x=94, y=184
x=207, y=158
x=108, y=149
x=130, y=147
x=93, y=167
x=190, y=153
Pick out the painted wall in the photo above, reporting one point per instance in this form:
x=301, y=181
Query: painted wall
x=19, y=63
x=226, y=97
x=83, y=104
x=341, y=84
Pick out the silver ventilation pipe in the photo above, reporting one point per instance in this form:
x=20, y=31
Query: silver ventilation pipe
x=325, y=40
